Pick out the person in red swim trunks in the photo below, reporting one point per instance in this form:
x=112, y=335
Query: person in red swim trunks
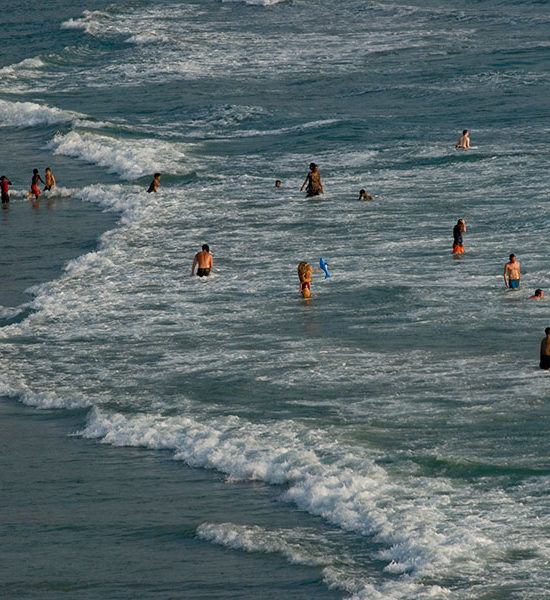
x=34, y=184
x=4, y=183
x=458, y=230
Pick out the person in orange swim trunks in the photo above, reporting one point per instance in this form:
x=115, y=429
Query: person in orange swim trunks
x=34, y=184
x=458, y=230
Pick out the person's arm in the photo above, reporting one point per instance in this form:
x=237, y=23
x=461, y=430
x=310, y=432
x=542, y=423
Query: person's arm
x=519, y=276
x=210, y=262
x=195, y=260
x=305, y=181
x=505, y=270
x=53, y=182
x=321, y=186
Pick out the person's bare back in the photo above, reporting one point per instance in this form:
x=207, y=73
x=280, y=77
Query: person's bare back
x=464, y=140
x=203, y=261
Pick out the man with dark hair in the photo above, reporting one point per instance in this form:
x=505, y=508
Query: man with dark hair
x=511, y=270
x=203, y=260
x=463, y=142
x=538, y=295
x=545, y=350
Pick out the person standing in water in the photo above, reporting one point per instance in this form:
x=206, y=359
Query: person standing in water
x=511, y=270
x=464, y=141
x=305, y=271
x=204, y=261
x=49, y=183
x=545, y=350
x=154, y=185
x=4, y=189
x=313, y=181
x=458, y=230
x=34, y=191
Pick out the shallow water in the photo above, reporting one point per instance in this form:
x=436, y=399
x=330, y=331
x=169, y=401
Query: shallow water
x=401, y=409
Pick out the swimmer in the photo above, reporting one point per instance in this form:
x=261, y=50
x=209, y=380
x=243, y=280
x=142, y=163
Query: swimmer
x=364, y=196
x=4, y=183
x=538, y=295
x=305, y=270
x=204, y=261
x=464, y=141
x=154, y=185
x=458, y=230
x=511, y=270
x=545, y=350
x=34, y=191
x=49, y=183
x=278, y=183
x=313, y=181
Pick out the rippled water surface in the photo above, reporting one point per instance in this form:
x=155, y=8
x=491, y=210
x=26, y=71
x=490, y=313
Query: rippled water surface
x=400, y=410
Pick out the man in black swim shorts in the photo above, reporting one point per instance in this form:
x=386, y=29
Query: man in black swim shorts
x=203, y=260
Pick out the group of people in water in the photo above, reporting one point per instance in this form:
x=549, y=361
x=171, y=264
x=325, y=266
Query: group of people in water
x=203, y=261
x=34, y=192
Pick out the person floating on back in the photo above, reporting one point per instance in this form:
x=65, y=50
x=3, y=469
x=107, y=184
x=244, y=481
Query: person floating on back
x=463, y=141
x=204, y=261
x=538, y=295
x=545, y=350
x=364, y=196
x=154, y=185
x=512, y=272
x=49, y=183
x=313, y=181
x=458, y=230
x=4, y=190
x=34, y=191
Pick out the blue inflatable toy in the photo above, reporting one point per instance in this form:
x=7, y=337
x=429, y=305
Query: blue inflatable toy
x=323, y=264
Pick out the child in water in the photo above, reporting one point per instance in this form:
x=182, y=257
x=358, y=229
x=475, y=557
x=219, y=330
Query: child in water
x=34, y=191
x=305, y=271
x=154, y=185
x=49, y=183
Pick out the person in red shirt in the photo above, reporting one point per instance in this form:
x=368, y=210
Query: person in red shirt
x=4, y=183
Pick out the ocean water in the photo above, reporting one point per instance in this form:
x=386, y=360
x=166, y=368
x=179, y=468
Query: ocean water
x=385, y=440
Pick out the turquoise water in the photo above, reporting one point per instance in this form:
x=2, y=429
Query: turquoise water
x=389, y=436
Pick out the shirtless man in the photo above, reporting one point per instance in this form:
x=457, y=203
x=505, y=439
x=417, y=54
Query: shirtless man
x=511, y=270
x=278, y=183
x=545, y=350
x=464, y=141
x=364, y=196
x=154, y=185
x=538, y=295
x=203, y=260
x=34, y=191
x=458, y=242
x=49, y=183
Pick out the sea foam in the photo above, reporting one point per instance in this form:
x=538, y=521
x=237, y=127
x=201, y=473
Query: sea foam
x=128, y=158
x=27, y=114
